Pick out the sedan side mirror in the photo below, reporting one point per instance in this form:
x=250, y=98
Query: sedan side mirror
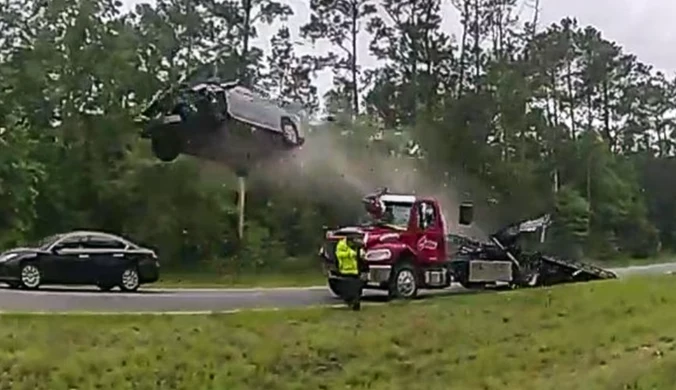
x=466, y=213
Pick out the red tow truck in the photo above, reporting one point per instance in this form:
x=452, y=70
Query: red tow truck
x=407, y=248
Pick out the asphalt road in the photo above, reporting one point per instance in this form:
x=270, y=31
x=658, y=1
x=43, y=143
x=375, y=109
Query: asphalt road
x=147, y=300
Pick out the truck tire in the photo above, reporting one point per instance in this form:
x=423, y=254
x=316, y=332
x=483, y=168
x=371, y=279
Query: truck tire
x=403, y=282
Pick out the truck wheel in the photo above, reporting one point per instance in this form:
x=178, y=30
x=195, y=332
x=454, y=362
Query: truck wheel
x=403, y=283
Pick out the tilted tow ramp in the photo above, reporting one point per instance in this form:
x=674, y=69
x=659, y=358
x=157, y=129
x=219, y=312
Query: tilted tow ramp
x=581, y=271
x=501, y=254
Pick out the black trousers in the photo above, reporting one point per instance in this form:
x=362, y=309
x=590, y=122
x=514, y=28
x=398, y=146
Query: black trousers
x=350, y=289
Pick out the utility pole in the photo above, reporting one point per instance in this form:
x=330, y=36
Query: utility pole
x=241, y=179
x=590, y=160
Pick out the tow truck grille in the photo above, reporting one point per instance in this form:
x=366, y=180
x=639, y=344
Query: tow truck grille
x=379, y=274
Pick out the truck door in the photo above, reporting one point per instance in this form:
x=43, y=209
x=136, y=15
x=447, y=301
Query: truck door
x=430, y=239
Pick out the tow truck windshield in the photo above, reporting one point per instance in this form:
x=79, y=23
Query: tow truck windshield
x=396, y=214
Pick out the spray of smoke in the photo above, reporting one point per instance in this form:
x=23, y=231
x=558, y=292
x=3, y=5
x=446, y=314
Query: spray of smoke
x=326, y=168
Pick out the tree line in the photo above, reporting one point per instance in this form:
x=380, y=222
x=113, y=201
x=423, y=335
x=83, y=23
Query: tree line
x=545, y=119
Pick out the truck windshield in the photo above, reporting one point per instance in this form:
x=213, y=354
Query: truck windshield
x=396, y=214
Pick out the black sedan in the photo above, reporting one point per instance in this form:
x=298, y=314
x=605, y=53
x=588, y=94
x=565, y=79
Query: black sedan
x=80, y=258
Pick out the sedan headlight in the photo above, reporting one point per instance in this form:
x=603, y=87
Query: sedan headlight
x=8, y=257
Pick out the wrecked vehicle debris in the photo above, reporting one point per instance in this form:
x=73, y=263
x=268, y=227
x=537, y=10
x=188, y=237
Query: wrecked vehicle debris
x=472, y=260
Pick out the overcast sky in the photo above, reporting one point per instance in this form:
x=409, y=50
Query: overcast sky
x=643, y=27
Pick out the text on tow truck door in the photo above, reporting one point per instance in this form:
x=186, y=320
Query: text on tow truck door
x=429, y=232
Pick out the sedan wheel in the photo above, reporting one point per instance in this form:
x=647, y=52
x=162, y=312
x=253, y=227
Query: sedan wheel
x=130, y=280
x=30, y=276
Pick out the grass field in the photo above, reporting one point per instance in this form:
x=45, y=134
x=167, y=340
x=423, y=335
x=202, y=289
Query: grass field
x=607, y=335
x=628, y=261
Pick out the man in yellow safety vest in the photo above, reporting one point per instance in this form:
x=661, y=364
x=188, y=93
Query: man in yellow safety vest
x=349, y=268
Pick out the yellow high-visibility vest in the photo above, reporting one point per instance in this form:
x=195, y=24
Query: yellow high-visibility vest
x=347, y=258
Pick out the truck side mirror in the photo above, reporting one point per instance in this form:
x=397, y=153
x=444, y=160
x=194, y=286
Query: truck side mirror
x=466, y=213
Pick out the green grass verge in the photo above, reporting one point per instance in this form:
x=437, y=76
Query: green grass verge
x=215, y=280
x=628, y=261
x=607, y=335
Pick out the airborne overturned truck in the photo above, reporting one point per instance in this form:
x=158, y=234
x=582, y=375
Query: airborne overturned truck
x=407, y=249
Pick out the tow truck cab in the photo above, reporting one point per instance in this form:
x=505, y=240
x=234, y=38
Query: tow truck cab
x=405, y=244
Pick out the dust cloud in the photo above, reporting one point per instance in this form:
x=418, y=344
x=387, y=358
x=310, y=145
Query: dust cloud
x=326, y=168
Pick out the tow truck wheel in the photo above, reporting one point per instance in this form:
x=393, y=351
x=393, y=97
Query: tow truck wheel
x=404, y=284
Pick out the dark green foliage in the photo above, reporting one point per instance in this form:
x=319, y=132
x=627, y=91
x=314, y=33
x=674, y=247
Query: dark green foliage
x=526, y=122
